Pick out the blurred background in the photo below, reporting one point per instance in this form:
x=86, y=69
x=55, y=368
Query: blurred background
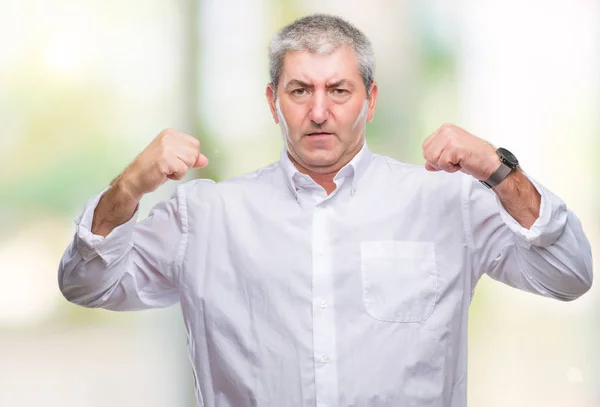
x=86, y=84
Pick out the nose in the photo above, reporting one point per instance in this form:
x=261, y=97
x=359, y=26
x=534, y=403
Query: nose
x=319, y=111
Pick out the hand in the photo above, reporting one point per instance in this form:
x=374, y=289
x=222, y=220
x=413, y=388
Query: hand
x=453, y=149
x=169, y=156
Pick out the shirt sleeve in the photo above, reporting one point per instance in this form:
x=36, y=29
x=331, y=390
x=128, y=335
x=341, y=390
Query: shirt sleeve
x=552, y=258
x=134, y=267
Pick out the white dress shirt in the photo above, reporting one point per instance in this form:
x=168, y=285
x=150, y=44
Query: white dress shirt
x=291, y=297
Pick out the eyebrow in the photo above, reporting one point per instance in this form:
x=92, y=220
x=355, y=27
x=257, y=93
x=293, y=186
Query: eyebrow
x=297, y=82
x=343, y=82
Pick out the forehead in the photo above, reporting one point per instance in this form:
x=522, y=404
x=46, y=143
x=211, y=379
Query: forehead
x=320, y=68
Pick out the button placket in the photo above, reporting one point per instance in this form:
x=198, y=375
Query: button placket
x=324, y=338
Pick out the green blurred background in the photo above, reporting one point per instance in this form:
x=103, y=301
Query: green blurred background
x=85, y=85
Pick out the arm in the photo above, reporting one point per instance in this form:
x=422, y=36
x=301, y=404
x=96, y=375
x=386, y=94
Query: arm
x=519, y=233
x=114, y=263
x=520, y=198
x=134, y=267
x=552, y=257
x=116, y=206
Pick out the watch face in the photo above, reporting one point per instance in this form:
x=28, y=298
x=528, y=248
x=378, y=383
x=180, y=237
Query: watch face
x=508, y=157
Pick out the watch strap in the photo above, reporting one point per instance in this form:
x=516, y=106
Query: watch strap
x=498, y=176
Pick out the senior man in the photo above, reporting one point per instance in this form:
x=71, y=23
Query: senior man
x=335, y=276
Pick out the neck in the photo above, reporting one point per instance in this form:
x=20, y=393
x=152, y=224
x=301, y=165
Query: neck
x=324, y=178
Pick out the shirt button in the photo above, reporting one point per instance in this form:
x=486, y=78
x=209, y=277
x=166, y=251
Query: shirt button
x=324, y=304
x=325, y=359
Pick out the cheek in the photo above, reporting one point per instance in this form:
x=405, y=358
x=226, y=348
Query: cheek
x=295, y=117
x=348, y=117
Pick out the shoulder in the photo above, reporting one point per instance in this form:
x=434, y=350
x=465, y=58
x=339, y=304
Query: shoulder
x=207, y=189
x=263, y=175
x=417, y=177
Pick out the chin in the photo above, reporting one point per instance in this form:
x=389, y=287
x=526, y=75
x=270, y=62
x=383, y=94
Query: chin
x=320, y=158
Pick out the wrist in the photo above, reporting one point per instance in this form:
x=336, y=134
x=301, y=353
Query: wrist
x=505, y=164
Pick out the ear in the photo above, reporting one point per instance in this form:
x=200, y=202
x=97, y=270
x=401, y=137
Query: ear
x=372, y=102
x=270, y=93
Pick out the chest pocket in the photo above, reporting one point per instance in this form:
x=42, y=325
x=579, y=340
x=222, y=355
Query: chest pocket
x=400, y=280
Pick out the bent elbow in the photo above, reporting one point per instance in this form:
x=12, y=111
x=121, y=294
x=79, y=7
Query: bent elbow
x=78, y=295
x=584, y=285
x=78, y=291
x=580, y=283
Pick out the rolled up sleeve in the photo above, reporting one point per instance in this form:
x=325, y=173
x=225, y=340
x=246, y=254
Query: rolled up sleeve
x=552, y=258
x=133, y=267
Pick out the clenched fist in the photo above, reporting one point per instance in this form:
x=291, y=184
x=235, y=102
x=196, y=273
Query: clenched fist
x=453, y=149
x=169, y=156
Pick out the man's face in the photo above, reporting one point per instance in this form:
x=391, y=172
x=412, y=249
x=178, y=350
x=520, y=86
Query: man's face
x=322, y=107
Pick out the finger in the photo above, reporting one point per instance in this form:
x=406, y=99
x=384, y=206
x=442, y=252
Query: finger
x=429, y=139
x=201, y=161
x=430, y=167
x=191, y=141
x=198, y=160
x=448, y=161
x=177, y=170
x=433, y=152
x=187, y=154
x=177, y=133
x=183, y=139
x=452, y=168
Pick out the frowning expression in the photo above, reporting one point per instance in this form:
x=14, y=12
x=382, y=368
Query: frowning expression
x=322, y=107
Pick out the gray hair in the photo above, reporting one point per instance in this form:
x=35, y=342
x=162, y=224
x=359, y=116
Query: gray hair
x=321, y=34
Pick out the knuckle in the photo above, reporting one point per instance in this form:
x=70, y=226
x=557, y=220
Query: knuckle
x=168, y=135
x=164, y=154
x=164, y=158
x=165, y=139
x=451, y=145
x=446, y=130
x=164, y=168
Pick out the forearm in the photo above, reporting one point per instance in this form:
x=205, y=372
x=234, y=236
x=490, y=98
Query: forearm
x=93, y=265
x=129, y=269
x=520, y=198
x=116, y=207
x=550, y=256
x=562, y=270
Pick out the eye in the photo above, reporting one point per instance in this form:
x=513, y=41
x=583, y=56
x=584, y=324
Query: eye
x=299, y=92
x=340, y=91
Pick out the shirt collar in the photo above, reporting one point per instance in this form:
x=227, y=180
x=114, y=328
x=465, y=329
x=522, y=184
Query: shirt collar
x=354, y=169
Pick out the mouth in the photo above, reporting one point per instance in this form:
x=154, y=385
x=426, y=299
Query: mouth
x=319, y=134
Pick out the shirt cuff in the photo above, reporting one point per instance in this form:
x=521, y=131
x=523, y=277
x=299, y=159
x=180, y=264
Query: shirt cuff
x=109, y=248
x=548, y=226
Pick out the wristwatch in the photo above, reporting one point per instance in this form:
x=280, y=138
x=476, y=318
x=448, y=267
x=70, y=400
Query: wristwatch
x=508, y=162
